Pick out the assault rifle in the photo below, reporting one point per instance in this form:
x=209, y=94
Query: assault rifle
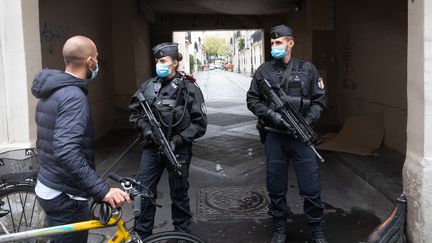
x=159, y=136
x=292, y=119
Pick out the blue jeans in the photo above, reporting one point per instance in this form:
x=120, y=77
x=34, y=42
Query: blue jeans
x=279, y=149
x=151, y=168
x=64, y=210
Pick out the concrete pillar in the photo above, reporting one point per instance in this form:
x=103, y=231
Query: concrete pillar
x=20, y=59
x=417, y=171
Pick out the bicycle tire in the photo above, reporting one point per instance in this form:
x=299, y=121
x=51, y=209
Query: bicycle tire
x=173, y=236
x=24, y=210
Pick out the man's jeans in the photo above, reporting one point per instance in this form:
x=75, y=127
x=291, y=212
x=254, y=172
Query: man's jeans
x=64, y=210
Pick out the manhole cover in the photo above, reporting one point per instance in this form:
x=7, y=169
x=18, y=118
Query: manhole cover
x=232, y=202
x=227, y=119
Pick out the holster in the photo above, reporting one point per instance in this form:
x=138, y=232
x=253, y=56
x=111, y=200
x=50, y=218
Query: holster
x=262, y=132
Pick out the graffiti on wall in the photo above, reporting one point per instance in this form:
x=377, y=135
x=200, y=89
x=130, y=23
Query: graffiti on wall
x=53, y=37
x=347, y=58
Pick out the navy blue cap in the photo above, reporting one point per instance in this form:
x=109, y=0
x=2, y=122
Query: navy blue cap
x=165, y=49
x=281, y=30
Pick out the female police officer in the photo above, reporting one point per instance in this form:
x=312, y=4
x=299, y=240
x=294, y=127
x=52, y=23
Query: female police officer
x=178, y=105
x=301, y=81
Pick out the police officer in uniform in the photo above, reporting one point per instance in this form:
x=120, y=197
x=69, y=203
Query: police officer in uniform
x=301, y=81
x=178, y=104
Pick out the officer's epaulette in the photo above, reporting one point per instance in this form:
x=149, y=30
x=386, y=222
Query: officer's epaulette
x=189, y=78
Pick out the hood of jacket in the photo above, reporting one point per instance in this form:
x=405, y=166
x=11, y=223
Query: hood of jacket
x=47, y=81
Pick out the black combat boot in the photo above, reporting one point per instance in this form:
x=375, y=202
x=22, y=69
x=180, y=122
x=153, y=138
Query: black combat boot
x=318, y=237
x=279, y=235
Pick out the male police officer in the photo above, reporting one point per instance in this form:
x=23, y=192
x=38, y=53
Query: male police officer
x=178, y=104
x=301, y=81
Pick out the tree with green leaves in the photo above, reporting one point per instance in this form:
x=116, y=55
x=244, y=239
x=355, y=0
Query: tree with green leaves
x=215, y=47
x=241, y=43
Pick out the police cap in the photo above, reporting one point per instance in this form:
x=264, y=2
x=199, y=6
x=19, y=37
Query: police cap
x=281, y=30
x=165, y=49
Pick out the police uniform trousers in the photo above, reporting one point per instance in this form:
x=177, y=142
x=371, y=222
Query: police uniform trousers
x=279, y=150
x=151, y=168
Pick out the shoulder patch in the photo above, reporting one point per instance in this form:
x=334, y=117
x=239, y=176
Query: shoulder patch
x=204, y=108
x=321, y=83
x=190, y=78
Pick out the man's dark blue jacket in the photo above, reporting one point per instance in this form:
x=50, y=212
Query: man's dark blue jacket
x=65, y=135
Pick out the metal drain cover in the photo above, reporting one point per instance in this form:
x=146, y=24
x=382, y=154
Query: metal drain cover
x=232, y=202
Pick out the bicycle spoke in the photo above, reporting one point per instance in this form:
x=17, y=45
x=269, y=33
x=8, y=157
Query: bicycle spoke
x=11, y=213
x=23, y=214
x=32, y=212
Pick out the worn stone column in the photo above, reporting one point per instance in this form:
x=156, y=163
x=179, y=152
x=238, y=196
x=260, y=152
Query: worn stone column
x=20, y=59
x=417, y=173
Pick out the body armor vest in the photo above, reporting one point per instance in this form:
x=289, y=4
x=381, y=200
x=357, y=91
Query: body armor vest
x=297, y=86
x=169, y=105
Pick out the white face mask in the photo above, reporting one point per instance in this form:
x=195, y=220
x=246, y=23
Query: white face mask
x=93, y=72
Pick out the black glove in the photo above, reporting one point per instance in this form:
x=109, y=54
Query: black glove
x=175, y=141
x=308, y=120
x=146, y=131
x=276, y=119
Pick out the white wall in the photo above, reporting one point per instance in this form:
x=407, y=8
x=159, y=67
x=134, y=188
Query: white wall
x=183, y=47
x=19, y=60
x=417, y=172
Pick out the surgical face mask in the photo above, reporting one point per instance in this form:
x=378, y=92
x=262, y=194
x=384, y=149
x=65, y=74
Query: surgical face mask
x=94, y=72
x=162, y=70
x=278, y=52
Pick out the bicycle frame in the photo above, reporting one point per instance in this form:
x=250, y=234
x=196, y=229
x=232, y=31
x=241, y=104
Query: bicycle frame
x=121, y=235
x=107, y=218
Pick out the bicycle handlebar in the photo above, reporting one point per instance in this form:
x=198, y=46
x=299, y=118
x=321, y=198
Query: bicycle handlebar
x=136, y=190
x=115, y=177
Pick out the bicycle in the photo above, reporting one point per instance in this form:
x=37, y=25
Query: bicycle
x=108, y=217
x=19, y=209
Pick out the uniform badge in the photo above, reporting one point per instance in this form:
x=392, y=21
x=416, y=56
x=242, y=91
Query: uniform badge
x=203, y=108
x=320, y=83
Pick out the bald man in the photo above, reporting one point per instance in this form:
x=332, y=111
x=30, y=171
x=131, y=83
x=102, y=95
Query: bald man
x=67, y=177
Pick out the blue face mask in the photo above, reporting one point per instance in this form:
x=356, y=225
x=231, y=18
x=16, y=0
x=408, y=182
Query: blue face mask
x=95, y=72
x=278, y=52
x=162, y=70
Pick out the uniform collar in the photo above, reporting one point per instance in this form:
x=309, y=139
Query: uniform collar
x=167, y=81
x=280, y=63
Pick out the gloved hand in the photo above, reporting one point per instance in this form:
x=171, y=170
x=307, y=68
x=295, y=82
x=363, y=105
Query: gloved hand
x=308, y=120
x=146, y=131
x=175, y=141
x=276, y=119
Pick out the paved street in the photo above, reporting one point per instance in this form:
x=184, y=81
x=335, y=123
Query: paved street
x=227, y=178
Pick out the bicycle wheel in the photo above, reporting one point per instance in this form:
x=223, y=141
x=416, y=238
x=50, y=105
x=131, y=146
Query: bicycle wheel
x=24, y=212
x=174, y=237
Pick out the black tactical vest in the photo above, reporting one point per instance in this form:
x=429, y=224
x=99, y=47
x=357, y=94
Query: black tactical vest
x=169, y=104
x=297, y=85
